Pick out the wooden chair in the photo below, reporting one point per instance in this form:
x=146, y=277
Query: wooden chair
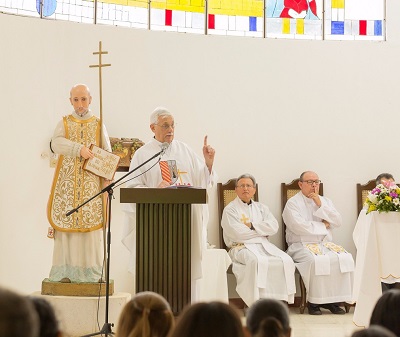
x=288, y=191
x=226, y=194
x=362, y=193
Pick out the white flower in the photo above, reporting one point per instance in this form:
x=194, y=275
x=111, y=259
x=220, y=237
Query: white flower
x=373, y=198
x=396, y=201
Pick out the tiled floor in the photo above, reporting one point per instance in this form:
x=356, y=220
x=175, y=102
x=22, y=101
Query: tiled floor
x=326, y=325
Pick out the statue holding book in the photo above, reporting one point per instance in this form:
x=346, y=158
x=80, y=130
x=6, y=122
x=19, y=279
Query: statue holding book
x=78, y=238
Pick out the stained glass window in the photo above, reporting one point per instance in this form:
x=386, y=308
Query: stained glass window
x=294, y=19
x=288, y=19
x=178, y=15
x=354, y=19
x=240, y=17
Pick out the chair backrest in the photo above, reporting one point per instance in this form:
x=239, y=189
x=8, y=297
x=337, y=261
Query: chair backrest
x=362, y=193
x=226, y=194
x=288, y=191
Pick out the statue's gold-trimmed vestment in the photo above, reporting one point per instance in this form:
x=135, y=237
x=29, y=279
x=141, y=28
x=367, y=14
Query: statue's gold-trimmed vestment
x=78, y=247
x=72, y=185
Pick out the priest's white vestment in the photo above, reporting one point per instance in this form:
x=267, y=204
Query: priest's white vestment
x=327, y=274
x=188, y=169
x=262, y=270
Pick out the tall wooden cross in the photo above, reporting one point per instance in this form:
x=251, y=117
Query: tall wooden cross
x=100, y=65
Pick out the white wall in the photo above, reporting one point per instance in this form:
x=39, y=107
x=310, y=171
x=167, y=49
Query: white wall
x=273, y=108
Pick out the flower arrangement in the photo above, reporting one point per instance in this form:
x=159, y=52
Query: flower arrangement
x=384, y=198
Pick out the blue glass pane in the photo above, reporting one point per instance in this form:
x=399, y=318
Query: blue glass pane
x=49, y=7
x=337, y=28
x=252, y=23
x=378, y=28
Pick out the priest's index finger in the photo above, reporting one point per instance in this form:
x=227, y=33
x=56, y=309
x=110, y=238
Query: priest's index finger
x=205, y=140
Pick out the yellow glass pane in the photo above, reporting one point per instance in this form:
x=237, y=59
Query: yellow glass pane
x=300, y=26
x=337, y=3
x=285, y=26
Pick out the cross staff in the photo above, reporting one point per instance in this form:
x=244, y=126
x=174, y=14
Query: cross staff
x=100, y=65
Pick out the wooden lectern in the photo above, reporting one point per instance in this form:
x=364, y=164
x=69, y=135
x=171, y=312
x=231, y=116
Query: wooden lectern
x=163, y=240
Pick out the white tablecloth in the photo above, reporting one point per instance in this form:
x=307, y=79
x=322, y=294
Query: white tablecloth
x=214, y=284
x=377, y=239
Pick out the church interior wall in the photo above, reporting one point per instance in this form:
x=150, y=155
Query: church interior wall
x=273, y=108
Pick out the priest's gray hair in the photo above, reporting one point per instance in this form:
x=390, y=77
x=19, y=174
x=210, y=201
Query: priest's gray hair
x=158, y=112
x=383, y=176
x=246, y=175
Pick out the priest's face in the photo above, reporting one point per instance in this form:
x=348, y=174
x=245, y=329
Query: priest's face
x=387, y=182
x=164, y=129
x=80, y=99
x=245, y=189
x=310, y=183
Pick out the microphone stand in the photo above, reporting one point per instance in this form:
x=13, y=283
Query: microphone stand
x=106, y=330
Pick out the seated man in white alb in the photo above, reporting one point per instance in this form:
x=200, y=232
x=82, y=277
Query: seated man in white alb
x=262, y=270
x=326, y=268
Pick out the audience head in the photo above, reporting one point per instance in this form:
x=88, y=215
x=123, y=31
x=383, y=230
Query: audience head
x=147, y=314
x=374, y=331
x=18, y=317
x=262, y=316
x=245, y=187
x=162, y=124
x=309, y=183
x=384, y=178
x=270, y=327
x=387, y=311
x=48, y=322
x=213, y=319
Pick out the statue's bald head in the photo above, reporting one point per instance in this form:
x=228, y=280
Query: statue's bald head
x=80, y=87
x=80, y=98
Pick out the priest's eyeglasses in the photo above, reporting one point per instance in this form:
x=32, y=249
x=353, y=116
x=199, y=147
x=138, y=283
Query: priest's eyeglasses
x=166, y=126
x=310, y=182
x=245, y=186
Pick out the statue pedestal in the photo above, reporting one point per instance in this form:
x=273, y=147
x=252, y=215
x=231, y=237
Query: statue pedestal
x=78, y=315
x=76, y=289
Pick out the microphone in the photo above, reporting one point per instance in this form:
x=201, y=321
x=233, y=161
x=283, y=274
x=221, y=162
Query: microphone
x=164, y=146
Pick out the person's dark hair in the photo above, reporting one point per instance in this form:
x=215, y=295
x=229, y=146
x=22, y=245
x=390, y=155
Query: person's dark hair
x=47, y=318
x=270, y=327
x=383, y=175
x=267, y=308
x=374, y=331
x=18, y=317
x=213, y=319
x=147, y=314
x=386, y=311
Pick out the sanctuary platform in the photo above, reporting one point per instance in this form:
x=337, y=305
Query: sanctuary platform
x=83, y=315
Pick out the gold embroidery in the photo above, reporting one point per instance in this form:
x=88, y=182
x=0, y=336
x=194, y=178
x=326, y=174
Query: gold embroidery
x=72, y=185
x=237, y=245
x=244, y=219
x=314, y=248
x=334, y=247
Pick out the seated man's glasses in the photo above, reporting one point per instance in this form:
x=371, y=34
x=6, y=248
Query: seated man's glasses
x=245, y=186
x=310, y=182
